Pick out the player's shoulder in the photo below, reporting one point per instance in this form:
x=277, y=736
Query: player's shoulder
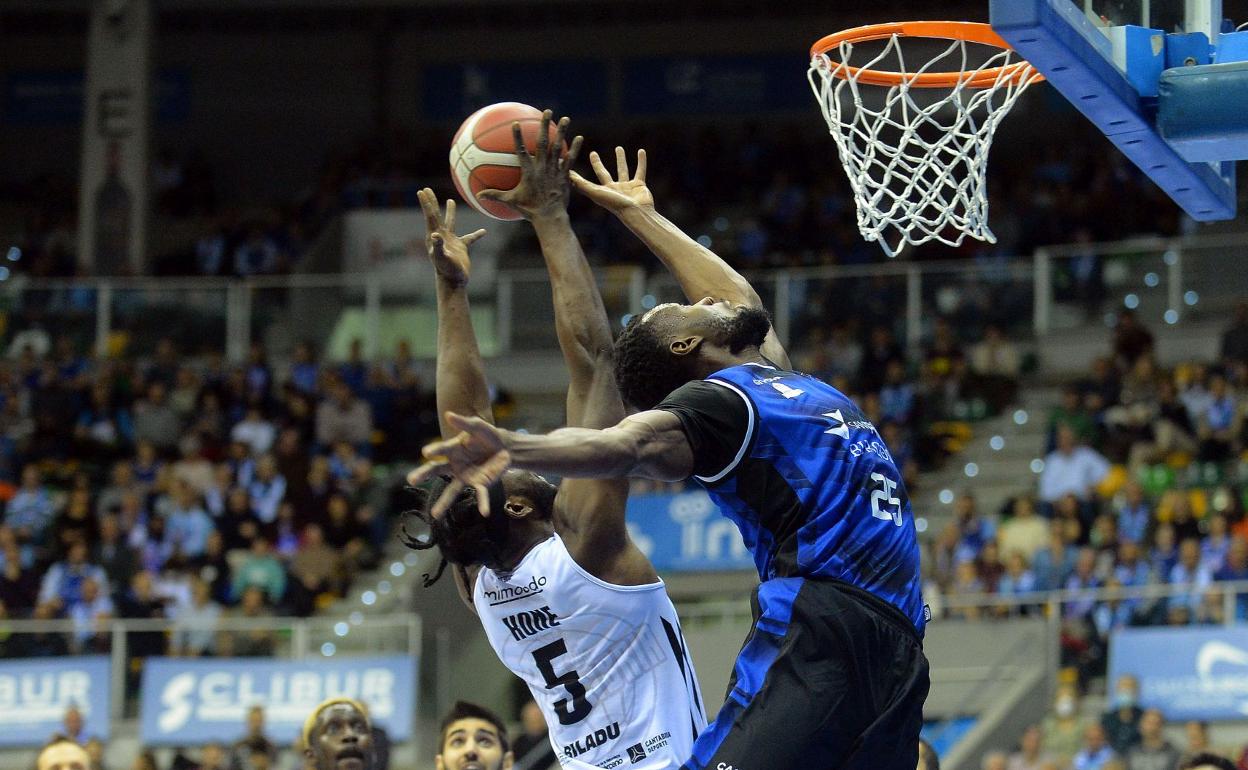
x=773, y=380
x=551, y=557
x=712, y=393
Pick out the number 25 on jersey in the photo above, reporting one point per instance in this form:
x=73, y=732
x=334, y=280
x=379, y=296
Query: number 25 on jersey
x=884, y=503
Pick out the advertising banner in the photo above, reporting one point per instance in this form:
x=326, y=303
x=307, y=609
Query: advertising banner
x=1188, y=673
x=716, y=85
x=35, y=693
x=686, y=532
x=56, y=97
x=190, y=702
x=575, y=88
x=391, y=243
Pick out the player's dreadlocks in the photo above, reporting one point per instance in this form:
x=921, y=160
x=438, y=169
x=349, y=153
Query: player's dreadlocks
x=646, y=370
x=462, y=535
x=465, y=537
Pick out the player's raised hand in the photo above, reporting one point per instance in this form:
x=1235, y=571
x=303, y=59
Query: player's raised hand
x=621, y=193
x=543, y=188
x=474, y=457
x=447, y=251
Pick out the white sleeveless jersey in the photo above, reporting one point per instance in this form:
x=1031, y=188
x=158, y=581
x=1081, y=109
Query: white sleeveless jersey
x=607, y=664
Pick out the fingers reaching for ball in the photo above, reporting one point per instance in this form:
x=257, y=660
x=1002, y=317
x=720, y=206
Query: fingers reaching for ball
x=486, y=133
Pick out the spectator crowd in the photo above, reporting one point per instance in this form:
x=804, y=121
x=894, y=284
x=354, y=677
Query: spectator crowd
x=182, y=488
x=1144, y=484
x=922, y=406
x=767, y=194
x=1123, y=737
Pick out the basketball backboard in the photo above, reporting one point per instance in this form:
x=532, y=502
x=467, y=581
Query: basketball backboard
x=1129, y=67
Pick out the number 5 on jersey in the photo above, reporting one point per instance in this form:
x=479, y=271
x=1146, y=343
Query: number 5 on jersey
x=571, y=681
x=884, y=497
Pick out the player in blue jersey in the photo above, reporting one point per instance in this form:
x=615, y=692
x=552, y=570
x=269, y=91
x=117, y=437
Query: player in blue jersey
x=833, y=673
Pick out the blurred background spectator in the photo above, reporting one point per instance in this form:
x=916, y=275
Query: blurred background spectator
x=532, y=747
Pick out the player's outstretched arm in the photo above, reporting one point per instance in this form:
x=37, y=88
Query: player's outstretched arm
x=649, y=444
x=460, y=381
x=580, y=318
x=589, y=512
x=699, y=271
x=460, y=384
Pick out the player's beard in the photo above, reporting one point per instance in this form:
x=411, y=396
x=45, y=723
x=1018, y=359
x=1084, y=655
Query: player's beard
x=747, y=329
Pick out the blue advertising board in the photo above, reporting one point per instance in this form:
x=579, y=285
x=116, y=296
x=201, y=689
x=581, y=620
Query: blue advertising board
x=1188, y=673
x=577, y=88
x=714, y=85
x=35, y=693
x=55, y=97
x=686, y=532
x=189, y=702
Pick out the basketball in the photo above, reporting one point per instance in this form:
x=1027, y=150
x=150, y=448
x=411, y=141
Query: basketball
x=483, y=153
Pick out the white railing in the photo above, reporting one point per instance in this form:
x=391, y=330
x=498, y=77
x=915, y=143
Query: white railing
x=1229, y=593
x=1165, y=277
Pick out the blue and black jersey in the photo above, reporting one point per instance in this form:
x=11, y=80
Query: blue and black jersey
x=806, y=478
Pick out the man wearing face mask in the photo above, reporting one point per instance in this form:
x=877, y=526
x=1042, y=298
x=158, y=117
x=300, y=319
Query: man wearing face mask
x=1122, y=721
x=1063, y=729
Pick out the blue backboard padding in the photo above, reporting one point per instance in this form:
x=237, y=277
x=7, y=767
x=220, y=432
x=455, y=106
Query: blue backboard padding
x=1203, y=111
x=1049, y=39
x=1232, y=46
x=1058, y=40
x=1144, y=62
x=1192, y=47
x=1205, y=193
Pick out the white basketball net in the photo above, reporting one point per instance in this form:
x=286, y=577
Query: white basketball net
x=917, y=160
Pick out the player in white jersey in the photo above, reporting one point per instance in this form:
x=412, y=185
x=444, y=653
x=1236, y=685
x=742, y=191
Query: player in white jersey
x=567, y=600
x=553, y=623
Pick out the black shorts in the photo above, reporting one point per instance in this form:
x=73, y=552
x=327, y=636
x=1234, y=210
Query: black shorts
x=829, y=677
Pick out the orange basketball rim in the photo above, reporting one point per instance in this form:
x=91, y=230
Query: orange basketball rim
x=968, y=31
